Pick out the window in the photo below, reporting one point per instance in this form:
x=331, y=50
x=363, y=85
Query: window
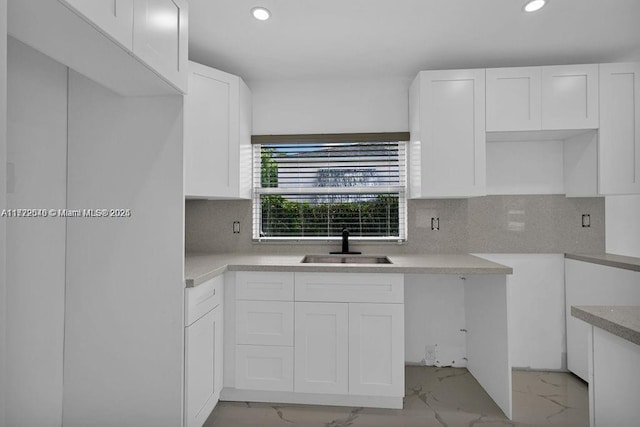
x=310, y=187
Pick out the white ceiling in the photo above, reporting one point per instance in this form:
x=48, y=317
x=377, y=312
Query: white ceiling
x=391, y=38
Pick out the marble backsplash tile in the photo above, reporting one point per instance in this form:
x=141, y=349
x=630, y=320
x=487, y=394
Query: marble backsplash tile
x=490, y=224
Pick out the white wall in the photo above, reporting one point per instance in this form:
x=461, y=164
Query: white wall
x=622, y=224
x=330, y=106
x=434, y=317
x=125, y=285
x=37, y=150
x=3, y=204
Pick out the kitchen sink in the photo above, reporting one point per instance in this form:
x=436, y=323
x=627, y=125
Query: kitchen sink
x=345, y=259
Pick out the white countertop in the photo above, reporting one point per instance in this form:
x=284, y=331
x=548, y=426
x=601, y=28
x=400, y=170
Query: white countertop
x=200, y=267
x=622, y=321
x=610, y=260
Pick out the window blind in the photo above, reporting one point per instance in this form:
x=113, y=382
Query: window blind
x=313, y=190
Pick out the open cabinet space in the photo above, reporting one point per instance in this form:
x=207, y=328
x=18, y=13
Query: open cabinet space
x=543, y=162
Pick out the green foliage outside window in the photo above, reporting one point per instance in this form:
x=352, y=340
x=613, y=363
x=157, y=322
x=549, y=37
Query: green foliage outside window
x=268, y=169
x=375, y=216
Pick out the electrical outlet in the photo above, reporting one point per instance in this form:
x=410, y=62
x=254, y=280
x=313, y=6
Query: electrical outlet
x=435, y=223
x=586, y=220
x=236, y=227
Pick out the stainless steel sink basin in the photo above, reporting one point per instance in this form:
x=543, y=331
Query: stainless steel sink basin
x=345, y=259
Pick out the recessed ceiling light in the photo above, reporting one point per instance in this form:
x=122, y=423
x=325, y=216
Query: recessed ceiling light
x=534, y=5
x=260, y=13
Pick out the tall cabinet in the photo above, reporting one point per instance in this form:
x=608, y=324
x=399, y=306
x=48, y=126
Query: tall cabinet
x=447, y=125
x=110, y=310
x=619, y=150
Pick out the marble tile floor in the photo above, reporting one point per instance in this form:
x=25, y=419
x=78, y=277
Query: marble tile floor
x=438, y=397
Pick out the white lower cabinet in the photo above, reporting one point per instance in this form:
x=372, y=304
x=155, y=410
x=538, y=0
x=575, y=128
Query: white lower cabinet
x=334, y=338
x=203, y=352
x=349, y=348
x=264, y=317
x=261, y=367
x=376, y=349
x=322, y=347
x=614, y=379
x=593, y=284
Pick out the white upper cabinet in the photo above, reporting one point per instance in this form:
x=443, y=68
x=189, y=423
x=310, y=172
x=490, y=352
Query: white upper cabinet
x=619, y=148
x=563, y=97
x=97, y=38
x=217, y=135
x=447, y=124
x=114, y=17
x=160, y=38
x=514, y=99
x=570, y=97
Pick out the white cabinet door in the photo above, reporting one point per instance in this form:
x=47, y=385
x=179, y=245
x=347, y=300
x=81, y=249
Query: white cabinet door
x=217, y=135
x=113, y=17
x=203, y=367
x=570, y=97
x=615, y=385
x=264, y=368
x=264, y=323
x=447, y=124
x=160, y=36
x=513, y=99
x=322, y=348
x=619, y=149
x=593, y=284
x=376, y=349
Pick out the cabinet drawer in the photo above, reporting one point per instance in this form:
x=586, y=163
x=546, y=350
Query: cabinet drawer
x=350, y=287
x=264, y=368
x=260, y=285
x=203, y=298
x=264, y=323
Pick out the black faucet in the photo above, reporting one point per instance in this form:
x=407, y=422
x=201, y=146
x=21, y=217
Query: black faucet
x=345, y=244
